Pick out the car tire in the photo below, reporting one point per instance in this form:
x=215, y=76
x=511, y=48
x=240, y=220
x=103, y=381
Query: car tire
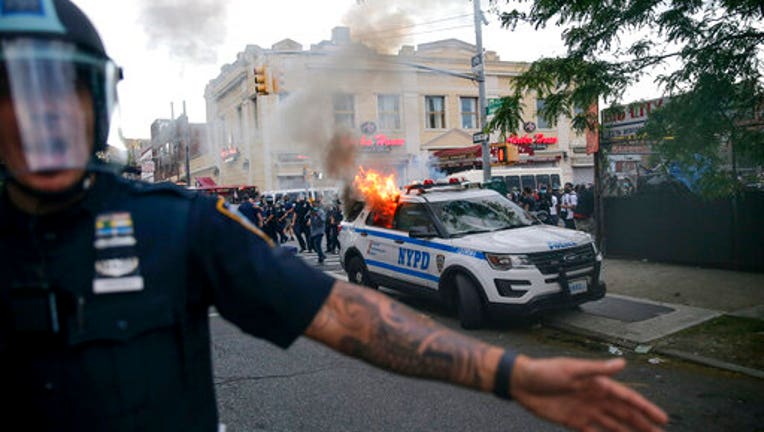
x=469, y=305
x=358, y=274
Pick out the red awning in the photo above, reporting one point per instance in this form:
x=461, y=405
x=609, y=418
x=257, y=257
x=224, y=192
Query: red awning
x=205, y=182
x=475, y=150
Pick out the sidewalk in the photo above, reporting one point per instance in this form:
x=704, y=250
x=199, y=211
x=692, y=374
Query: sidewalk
x=708, y=316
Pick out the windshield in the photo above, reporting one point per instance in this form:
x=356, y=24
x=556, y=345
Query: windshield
x=480, y=214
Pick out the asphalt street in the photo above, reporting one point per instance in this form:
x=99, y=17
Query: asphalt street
x=311, y=388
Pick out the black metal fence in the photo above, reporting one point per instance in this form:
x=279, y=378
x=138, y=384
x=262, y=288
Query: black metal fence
x=671, y=226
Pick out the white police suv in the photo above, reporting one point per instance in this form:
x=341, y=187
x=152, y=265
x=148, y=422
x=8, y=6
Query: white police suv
x=473, y=249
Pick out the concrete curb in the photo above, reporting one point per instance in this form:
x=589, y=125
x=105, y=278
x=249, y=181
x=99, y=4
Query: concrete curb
x=631, y=345
x=667, y=352
x=706, y=361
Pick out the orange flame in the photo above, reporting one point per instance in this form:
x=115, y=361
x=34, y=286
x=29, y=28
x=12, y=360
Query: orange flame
x=380, y=192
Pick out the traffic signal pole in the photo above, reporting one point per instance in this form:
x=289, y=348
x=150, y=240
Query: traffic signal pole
x=480, y=72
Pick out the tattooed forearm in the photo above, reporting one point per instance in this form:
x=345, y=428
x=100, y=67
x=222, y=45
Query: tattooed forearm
x=371, y=326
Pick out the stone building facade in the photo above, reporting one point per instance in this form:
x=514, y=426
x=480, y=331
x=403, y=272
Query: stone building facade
x=402, y=108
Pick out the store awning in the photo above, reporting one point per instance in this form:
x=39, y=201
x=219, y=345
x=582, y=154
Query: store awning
x=474, y=151
x=205, y=182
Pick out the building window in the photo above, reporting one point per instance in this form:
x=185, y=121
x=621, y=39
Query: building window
x=344, y=110
x=469, y=109
x=435, y=112
x=541, y=123
x=389, y=110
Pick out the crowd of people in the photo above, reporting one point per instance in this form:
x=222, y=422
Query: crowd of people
x=572, y=207
x=285, y=219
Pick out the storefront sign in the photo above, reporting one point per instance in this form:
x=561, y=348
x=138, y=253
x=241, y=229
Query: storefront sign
x=630, y=149
x=229, y=154
x=625, y=122
x=535, y=139
x=527, y=144
x=380, y=143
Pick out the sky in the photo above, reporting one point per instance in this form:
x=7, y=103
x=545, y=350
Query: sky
x=170, y=49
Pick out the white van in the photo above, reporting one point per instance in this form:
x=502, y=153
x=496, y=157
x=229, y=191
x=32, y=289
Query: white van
x=325, y=194
x=518, y=177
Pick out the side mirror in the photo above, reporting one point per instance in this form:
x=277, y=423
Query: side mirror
x=421, y=232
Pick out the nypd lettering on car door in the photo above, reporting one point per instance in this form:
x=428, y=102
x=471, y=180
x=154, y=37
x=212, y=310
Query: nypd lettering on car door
x=413, y=258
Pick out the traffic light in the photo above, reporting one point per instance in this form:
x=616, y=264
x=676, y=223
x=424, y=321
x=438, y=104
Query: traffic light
x=501, y=154
x=261, y=80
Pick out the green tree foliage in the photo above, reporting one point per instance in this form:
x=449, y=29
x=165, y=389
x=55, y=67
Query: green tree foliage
x=709, y=54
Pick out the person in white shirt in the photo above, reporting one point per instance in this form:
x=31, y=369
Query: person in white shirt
x=568, y=206
x=554, y=219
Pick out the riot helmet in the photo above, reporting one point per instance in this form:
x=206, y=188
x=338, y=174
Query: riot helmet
x=57, y=87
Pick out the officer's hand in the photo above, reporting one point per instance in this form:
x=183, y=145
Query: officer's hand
x=581, y=395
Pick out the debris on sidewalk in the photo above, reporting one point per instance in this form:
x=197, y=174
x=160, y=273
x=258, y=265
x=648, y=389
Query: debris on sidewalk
x=656, y=360
x=643, y=349
x=614, y=350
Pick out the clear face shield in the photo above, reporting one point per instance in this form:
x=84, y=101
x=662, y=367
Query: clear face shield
x=55, y=105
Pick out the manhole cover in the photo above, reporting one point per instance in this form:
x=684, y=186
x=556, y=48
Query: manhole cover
x=624, y=310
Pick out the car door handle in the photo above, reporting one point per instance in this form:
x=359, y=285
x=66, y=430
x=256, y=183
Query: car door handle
x=399, y=241
x=364, y=234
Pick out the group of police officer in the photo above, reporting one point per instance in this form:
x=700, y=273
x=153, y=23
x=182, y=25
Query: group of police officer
x=284, y=220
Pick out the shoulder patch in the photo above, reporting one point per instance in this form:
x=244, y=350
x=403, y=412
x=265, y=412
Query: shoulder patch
x=223, y=207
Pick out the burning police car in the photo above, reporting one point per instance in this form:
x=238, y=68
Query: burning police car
x=473, y=249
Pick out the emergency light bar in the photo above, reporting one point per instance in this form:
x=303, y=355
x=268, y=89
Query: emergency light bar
x=439, y=185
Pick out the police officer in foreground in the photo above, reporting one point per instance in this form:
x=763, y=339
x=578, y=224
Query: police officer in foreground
x=106, y=283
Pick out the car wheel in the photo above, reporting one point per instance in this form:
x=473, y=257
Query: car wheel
x=358, y=274
x=469, y=305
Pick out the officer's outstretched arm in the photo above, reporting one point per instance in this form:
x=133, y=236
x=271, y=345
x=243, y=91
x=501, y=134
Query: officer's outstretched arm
x=577, y=393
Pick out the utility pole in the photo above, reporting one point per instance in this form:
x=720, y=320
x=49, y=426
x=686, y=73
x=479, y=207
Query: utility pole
x=188, y=167
x=480, y=72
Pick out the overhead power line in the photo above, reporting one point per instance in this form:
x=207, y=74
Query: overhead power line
x=393, y=29
x=417, y=33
